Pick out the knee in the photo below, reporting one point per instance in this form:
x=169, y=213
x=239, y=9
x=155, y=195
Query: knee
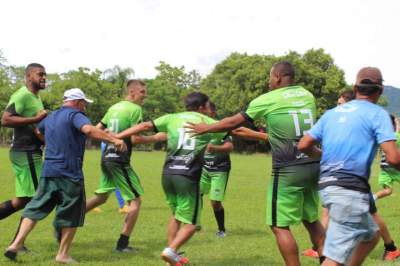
x=102, y=198
x=20, y=203
x=217, y=205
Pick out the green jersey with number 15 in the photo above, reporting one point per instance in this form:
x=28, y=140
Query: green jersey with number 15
x=184, y=153
x=288, y=113
x=119, y=117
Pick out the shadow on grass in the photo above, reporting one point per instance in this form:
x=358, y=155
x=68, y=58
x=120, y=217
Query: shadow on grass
x=102, y=250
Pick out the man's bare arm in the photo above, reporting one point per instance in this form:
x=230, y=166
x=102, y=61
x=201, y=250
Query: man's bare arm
x=226, y=147
x=142, y=127
x=159, y=137
x=10, y=120
x=226, y=124
x=98, y=134
x=307, y=146
x=249, y=134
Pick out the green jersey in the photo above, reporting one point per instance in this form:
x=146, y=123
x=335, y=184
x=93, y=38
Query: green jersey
x=288, y=113
x=218, y=161
x=384, y=163
x=119, y=117
x=24, y=103
x=184, y=153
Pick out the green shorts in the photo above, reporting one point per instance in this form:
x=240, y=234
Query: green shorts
x=292, y=195
x=183, y=196
x=27, y=166
x=214, y=183
x=119, y=176
x=64, y=193
x=387, y=176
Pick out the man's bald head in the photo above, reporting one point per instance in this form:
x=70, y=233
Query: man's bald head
x=282, y=74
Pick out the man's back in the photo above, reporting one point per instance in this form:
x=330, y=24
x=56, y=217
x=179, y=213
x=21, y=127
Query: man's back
x=184, y=153
x=288, y=112
x=64, y=143
x=119, y=117
x=350, y=135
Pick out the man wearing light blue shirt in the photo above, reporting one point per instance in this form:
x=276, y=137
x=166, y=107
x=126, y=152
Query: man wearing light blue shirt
x=350, y=135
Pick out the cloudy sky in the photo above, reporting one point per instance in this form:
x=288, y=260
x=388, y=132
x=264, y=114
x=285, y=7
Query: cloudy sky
x=66, y=34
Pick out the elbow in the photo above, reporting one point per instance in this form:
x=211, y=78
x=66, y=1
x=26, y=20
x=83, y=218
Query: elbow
x=393, y=160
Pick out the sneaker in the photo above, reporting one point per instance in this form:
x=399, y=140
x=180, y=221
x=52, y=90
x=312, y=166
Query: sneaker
x=124, y=209
x=97, y=210
x=173, y=258
x=11, y=255
x=391, y=255
x=124, y=250
x=220, y=234
x=310, y=253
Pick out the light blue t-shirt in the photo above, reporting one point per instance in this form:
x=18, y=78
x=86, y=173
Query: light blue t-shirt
x=350, y=134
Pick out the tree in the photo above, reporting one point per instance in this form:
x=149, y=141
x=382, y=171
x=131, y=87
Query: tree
x=168, y=88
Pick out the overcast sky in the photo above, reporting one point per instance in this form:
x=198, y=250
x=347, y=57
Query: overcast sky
x=66, y=34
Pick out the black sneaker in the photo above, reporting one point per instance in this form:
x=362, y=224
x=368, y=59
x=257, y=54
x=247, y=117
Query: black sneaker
x=124, y=250
x=11, y=255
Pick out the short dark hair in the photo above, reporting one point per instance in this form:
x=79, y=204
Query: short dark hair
x=348, y=95
x=194, y=100
x=137, y=82
x=284, y=69
x=32, y=66
x=212, y=106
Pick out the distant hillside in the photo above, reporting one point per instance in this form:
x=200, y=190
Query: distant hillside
x=392, y=96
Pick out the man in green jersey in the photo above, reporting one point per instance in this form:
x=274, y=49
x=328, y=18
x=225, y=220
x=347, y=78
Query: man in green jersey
x=215, y=173
x=182, y=169
x=23, y=112
x=115, y=165
x=292, y=196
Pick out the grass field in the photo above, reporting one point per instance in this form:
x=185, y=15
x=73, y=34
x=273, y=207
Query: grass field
x=249, y=240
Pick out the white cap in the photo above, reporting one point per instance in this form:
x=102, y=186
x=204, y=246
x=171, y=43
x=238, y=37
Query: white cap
x=75, y=94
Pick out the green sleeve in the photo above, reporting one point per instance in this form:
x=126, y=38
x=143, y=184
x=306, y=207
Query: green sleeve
x=258, y=108
x=105, y=119
x=16, y=105
x=161, y=123
x=137, y=116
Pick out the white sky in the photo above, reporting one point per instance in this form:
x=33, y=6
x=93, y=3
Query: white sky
x=66, y=34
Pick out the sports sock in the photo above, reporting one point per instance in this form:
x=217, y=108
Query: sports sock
x=123, y=241
x=390, y=247
x=220, y=217
x=6, y=209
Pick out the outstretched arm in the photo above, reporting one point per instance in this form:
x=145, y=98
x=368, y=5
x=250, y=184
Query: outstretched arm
x=307, y=146
x=10, y=120
x=249, y=134
x=95, y=133
x=159, y=137
x=226, y=147
x=226, y=124
x=145, y=126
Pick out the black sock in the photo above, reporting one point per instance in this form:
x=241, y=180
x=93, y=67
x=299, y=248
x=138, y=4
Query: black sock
x=220, y=216
x=123, y=241
x=390, y=247
x=314, y=248
x=321, y=259
x=6, y=209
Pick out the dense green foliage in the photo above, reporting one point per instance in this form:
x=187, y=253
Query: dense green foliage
x=249, y=240
x=232, y=84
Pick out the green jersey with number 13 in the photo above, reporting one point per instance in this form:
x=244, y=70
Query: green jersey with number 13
x=288, y=113
x=184, y=153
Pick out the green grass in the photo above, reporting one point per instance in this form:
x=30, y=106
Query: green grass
x=249, y=240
